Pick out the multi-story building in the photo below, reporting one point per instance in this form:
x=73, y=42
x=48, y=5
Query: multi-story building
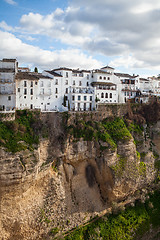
x=8, y=70
x=105, y=86
x=128, y=87
x=65, y=89
x=74, y=88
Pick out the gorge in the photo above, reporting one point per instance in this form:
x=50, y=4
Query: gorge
x=59, y=170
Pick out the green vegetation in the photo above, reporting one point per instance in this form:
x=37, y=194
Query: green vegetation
x=157, y=166
x=108, y=131
x=119, y=167
x=135, y=128
x=142, y=169
x=22, y=133
x=129, y=224
x=117, y=129
x=143, y=154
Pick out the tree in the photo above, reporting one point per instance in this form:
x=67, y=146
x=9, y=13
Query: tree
x=36, y=69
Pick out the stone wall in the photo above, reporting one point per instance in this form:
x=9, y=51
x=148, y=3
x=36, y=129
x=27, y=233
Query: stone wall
x=7, y=116
x=103, y=111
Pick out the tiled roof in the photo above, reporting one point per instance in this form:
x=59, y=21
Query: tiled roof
x=62, y=68
x=101, y=71
x=7, y=70
x=80, y=71
x=9, y=60
x=107, y=67
x=30, y=76
x=103, y=83
x=54, y=73
x=144, y=79
x=125, y=75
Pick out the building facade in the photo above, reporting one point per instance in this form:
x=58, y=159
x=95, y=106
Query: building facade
x=8, y=71
x=64, y=89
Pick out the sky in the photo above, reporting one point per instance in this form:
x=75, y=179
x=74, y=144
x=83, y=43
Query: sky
x=85, y=34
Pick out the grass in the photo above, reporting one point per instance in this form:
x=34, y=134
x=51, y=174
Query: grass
x=22, y=133
x=127, y=225
x=107, y=131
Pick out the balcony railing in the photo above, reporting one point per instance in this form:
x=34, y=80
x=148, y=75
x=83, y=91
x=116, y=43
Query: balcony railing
x=82, y=90
x=7, y=92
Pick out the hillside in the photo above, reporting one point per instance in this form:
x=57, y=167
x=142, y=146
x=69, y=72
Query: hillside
x=59, y=170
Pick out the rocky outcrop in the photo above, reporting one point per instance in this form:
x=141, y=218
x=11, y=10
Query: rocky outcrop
x=65, y=182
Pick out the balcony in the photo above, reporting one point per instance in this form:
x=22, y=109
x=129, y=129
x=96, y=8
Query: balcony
x=6, y=81
x=129, y=90
x=7, y=93
x=82, y=90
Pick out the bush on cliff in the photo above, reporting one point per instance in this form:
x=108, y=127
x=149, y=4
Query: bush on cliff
x=129, y=224
x=22, y=133
x=109, y=131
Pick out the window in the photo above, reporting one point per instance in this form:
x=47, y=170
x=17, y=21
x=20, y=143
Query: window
x=35, y=83
x=25, y=91
x=110, y=95
x=48, y=103
x=87, y=84
x=90, y=98
x=80, y=83
x=73, y=98
x=9, y=98
x=79, y=98
x=31, y=83
x=31, y=91
x=24, y=96
x=85, y=98
x=102, y=95
x=81, y=74
x=66, y=82
x=104, y=78
x=87, y=76
x=74, y=82
x=67, y=74
x=56, y=96
x=100, y=77
x=56, y=82
x=66, y=90
x=25, y=83
x=18, y=89
x=56, y=90
x=106, y=95
x=42, y=91
x=66, y=98
x=108, y=78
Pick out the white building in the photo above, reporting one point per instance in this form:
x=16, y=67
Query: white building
x=128, y=86
x=145, y=86
x=8, y=70
x=105, y=85
x=74, y=89
x=65, y=89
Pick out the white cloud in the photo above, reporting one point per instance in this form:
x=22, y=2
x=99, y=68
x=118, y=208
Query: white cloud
x=10, y=46
x=5, y=26
x=124, y=29
x=11, y=2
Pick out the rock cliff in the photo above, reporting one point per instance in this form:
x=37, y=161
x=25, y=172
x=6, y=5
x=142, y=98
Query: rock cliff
x=65, y=181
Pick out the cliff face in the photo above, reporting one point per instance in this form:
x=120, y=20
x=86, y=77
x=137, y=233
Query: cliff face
x=65, y=182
